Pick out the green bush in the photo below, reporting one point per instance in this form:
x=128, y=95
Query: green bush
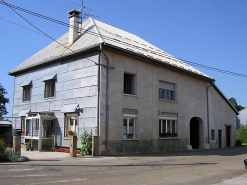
x=238, y=142
x=3, y=153
x=242, y=134
x=86, y=141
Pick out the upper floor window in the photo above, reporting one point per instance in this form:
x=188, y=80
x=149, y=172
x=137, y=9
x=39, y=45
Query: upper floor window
x=129, y=83
x=26, y=93
x=49, y=86
x=167, y=91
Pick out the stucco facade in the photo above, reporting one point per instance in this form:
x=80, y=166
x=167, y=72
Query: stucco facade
x=191, y=102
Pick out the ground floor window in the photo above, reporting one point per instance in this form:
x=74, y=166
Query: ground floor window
x=168, y=127
x=212, y=135
x=71, y=123
x=129, y=126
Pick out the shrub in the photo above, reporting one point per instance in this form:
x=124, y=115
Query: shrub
x=242, y=134
x=3, y=153
x=86, y=141
x=238, y=142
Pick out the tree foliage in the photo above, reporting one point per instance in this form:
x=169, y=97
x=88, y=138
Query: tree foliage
x=233, y=101
x=3, y=102
x=242, y=134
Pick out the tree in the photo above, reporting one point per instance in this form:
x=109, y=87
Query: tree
x=3, y=101
x=233, y=101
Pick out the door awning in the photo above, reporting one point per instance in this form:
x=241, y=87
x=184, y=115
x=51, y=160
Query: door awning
x=26, y=83
x=70, y=108
x=24, y=112
x=49, y=77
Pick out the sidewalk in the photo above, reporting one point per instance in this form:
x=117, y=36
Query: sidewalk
x=44, y=155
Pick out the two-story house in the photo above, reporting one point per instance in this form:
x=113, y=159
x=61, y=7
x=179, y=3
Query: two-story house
x=133, y=96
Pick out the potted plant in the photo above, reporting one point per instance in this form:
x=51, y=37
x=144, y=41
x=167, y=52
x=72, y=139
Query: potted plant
x=130, y=135
x=70, y=132
x=27, y=145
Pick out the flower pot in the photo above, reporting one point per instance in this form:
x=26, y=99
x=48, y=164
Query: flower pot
x=27, y=148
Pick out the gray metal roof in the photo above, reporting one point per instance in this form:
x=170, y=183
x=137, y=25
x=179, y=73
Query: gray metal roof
x=5, y=123
x=96, y=32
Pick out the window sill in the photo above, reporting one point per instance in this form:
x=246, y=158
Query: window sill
x=49, y=98
x=164, y=138
x=132, y=95
x=26, y=101
x=168, y=100
x=130, y=139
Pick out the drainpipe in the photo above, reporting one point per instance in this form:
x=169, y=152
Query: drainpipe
x=208, y=111
x=107, y=96
x=98, y=112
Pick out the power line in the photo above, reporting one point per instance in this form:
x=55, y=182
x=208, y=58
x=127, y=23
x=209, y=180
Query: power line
x=161, y=53
x=20, y=25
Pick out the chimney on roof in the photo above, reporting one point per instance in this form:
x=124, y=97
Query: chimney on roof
x=74, y=16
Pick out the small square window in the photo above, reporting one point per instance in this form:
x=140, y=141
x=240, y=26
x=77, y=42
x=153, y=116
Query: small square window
x=166, y=91
x=129, y=83
x=26, y=95
x=49, y=88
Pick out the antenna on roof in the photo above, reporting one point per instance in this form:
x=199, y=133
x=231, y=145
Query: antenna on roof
x=88, y=15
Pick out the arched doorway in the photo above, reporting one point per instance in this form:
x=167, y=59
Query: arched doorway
x=196, y=133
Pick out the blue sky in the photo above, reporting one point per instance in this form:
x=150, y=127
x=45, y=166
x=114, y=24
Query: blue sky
x=212, y=32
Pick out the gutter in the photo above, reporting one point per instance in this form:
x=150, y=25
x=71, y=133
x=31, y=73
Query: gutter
x=208, y=112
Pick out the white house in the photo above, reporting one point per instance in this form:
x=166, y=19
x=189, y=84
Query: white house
x=133, y=96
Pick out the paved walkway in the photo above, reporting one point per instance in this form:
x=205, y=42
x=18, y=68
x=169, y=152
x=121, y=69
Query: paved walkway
x=44, y=155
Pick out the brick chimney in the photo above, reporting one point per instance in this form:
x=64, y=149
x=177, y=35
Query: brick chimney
x=74, y=16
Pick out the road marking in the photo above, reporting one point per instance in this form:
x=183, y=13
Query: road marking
x=59, y=181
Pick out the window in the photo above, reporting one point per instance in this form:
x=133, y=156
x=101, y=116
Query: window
x=71, y=123
x=26, y=93
x=166, y=91
x=129, y=83
x=168, y=127
x=212, y=135
x=50, y=88
x=129, y=124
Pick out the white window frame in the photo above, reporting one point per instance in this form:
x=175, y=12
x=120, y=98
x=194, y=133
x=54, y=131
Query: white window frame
x=128, y=116
x=165, y=119
x=169, y=94
x=67, y=124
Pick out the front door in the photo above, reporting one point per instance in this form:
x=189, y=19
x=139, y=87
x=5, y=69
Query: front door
x=228, y=136
x=219, y=138
x=194, y=133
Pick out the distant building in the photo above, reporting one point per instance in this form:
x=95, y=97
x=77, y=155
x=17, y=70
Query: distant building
x=135, y=97
x=242, y=117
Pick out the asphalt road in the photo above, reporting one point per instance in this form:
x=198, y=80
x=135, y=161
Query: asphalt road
x=224, y=166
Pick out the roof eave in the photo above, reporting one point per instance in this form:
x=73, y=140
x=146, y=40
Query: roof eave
x=224, y=97
x=51, y=60
x=205, y=78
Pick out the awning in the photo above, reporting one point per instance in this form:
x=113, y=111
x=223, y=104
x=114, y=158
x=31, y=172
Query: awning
x=50, y=77
x=26, y=83
x=23, y=112
x=70, y=108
